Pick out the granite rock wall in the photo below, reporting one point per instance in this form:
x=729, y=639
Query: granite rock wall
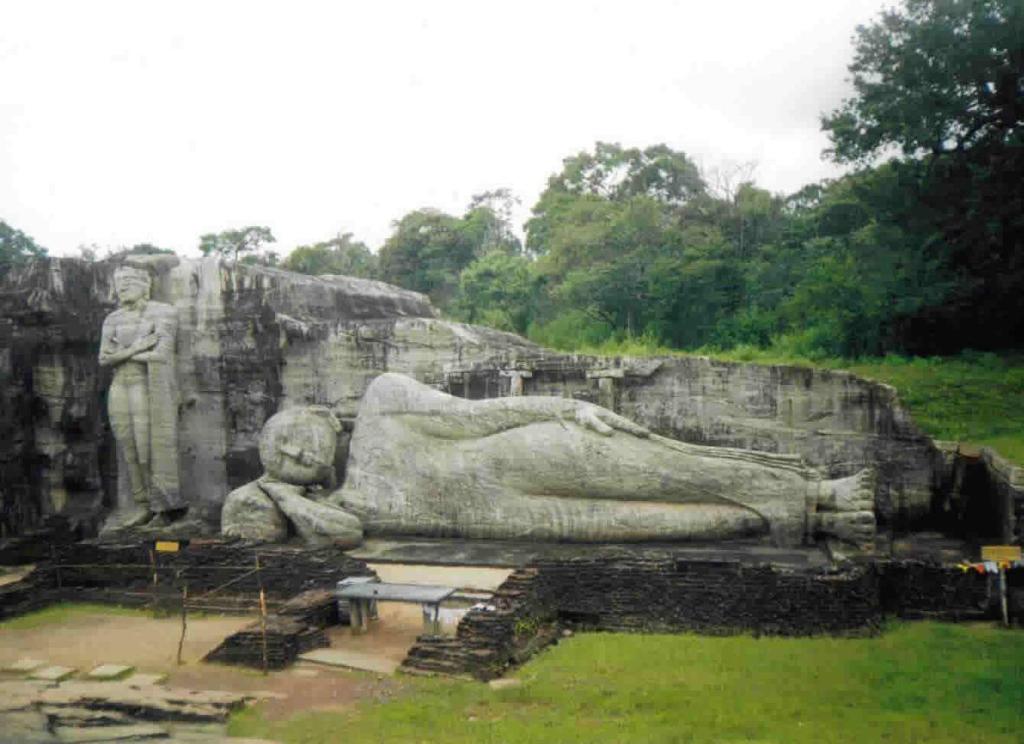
x=253, y=340
x=838, y=422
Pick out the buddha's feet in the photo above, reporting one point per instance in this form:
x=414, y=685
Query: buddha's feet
x=846, y=509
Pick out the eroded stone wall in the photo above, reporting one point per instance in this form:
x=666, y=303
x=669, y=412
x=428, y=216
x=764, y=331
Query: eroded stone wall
x=253, y=340
x=837, y=421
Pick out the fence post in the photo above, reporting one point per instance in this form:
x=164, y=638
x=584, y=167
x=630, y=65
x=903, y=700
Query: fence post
x=184, y=619
x=152, y=563
x=263, y=613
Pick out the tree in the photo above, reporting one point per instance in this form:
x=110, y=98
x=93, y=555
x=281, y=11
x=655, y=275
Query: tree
x=340, y=255
x=488, y=220
x=428, y=249
x=611, y=172
x=426, y=252
x=935, y=76
x=235, y=242
x=498, y=290
x=941, y=83
x=92, y=252
x=17, y=247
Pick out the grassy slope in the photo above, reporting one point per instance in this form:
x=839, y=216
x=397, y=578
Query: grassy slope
x=918, y=682
x=977, y=398
x=61, y=613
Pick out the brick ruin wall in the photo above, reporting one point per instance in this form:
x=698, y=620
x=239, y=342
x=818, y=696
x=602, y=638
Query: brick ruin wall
x=709, y=597
x=220, y=575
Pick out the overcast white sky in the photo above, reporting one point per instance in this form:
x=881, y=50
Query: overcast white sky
x=129, y=122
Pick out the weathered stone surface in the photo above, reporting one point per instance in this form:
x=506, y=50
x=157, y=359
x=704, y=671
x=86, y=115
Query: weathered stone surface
x=81, y=711
x=297, y=448
x=139, y=343
x=146, y=702
x=16, y=694
x=346, y=658
x=54, y=673
x=24, y=727
x=509, y=683
x=141, y=679
x=837, y=422
x=107, y=672
x=237, y=328
x=254, y=340
x=286, y=639
x=23, y=666
x=544, y=468
x=127, y=732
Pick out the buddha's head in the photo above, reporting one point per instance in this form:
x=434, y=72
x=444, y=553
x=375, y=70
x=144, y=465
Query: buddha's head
x=298, y=445
x=132, y=284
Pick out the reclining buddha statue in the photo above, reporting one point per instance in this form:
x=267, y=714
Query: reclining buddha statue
x=422, y=462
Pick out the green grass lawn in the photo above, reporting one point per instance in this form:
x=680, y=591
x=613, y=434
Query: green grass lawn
x=63, y=612
x=926, y=682
x=977, y=399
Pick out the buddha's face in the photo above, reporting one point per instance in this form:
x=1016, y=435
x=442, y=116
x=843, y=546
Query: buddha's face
x=131, y=287
x=298, y=447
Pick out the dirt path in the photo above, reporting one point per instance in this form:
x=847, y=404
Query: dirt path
x=87, y=638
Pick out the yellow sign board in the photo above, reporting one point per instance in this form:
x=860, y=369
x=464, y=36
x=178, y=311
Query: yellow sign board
x=167, y=546
x=1000, y=552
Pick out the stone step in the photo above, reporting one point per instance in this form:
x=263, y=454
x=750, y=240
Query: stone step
x=336, y=657
x=416, y=672
x=437, y=665
x=428, y=652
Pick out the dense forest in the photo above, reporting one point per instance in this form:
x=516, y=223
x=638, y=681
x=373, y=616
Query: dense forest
x=919, y=249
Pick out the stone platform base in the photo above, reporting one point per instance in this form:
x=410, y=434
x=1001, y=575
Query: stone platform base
x=508, y=554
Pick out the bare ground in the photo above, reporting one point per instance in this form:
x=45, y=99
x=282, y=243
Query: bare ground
x=150, y=644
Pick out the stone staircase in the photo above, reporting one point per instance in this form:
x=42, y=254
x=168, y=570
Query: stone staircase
x=487, y=641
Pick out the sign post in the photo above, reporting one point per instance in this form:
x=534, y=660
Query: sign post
x=1001, y=554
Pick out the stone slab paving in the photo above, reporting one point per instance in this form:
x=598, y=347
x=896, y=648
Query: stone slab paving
x=69, y=715
x=84, y=711
x=16, y=694
x=23, y=666
x=106, y=672
x=55, y=673
x=337, y=657
x=133, y=732
x=140, y=679
x=25, y=727
x=507, y=683
x=151, y=702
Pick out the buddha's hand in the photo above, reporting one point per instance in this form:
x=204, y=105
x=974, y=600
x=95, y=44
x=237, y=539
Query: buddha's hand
x=144, y=343
x=604, y=422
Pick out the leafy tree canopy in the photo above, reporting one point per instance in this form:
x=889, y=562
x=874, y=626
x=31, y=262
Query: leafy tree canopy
x=614, y=173
x=934, y=76
x=941, y=82
x=236, y=242
x=425, y=252
x=498, y=290
x=488, y=220
x=16, y=246
x=428, y=249
x=340, y=255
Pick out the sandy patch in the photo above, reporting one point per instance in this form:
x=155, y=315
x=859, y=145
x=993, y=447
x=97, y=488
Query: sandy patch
x=468, y=578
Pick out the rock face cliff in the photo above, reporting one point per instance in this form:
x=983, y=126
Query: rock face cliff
x=253, y=340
